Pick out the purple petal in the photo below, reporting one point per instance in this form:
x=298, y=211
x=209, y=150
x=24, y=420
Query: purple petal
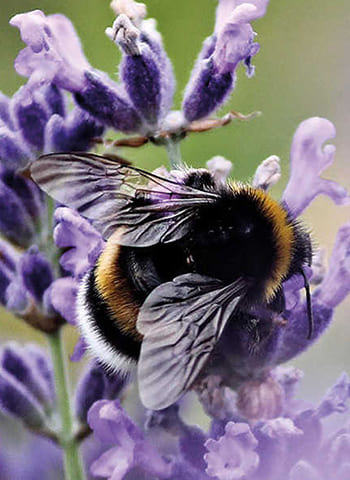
x=339, y=454
x=83, y=242
x=54, y=52
x=17, y=298
x=16, y=361
x=43, y=366
x=30, y=195
x=36, y=272
x=257, y=9
x=167, y=78
x=303, y=471
x=108, y=103
x=111, y=425
x=62, y=296
x=14, y=153
x=336, y=283
x=213, y=77
x=308, y=160
x=74, y=133
x=336, y=399
x=232, y=457
x=206, y=91
x=15, y=222
x=112, y=465
x=280, y=428
x=5, y=114
x=79, y=350
x=289, y=378
x=90, y=388
x=8, y=262
x=293, y=336
x=31, y=113
x=16, y=400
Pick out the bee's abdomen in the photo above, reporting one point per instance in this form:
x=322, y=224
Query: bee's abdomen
x=107, y=312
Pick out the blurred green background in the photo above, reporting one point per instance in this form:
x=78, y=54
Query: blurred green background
x=301, y=71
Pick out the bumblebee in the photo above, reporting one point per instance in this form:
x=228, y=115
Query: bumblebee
x=183, y=260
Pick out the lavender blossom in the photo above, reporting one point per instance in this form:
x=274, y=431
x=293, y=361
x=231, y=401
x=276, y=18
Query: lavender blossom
x=82, y=242
x=54, y=55
x=213, y=77
x=308, y=159
x=145, y=69
x=96, y=384
x=19, y=363
x=112, y=426
x=17, y=400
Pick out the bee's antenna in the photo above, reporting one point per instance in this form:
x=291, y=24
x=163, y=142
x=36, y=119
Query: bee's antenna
x=308, y=305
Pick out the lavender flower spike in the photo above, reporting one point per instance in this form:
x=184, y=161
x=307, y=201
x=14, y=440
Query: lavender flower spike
x=54, y=55
x=145, y=69
x=308, y=159
x=16, y=400
x=213, y=77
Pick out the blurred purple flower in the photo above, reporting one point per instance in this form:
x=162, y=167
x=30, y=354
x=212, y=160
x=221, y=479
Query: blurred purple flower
x=21, y=363
x=233, y=456
x=96, y=384
x=17, y=400
x=111, y=425
x=82, y=243
x=285, y=446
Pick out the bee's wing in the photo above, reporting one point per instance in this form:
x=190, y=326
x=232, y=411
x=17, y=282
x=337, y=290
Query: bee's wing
x=107, y=192
x=181, y=322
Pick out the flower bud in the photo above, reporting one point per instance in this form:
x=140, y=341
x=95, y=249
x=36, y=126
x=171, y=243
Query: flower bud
x=107, y=102
x=16, y=400
x=36, y=272
x=73, y=133
x=17, y=362
x=91, y=388
x=14, y=153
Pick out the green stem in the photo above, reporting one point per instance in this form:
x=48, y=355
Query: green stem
x=174, y=153
x=72, y=461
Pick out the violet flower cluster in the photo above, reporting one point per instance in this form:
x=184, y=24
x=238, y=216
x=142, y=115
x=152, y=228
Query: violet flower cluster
x=258, y=432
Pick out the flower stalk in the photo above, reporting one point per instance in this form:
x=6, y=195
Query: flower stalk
x=174, y=153
x=70, y=445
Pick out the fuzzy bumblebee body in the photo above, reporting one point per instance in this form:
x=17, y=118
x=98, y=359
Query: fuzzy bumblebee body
x=182, y=261
x=245, y=233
